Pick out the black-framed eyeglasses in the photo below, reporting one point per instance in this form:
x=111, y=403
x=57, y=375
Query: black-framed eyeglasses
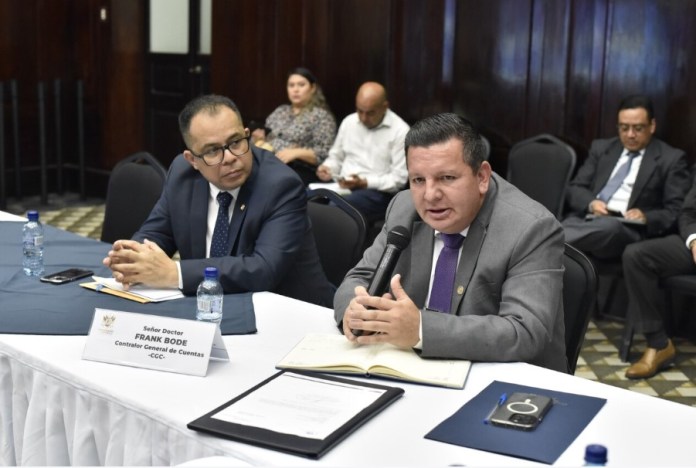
x=637, y=128
x=215, y=156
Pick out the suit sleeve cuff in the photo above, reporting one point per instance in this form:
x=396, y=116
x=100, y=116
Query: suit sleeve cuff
x=419, y=345
x=689, y=240
x=181, y=278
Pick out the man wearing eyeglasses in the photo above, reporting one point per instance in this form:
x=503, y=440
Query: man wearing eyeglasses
x=629, y=188
x=229, y=205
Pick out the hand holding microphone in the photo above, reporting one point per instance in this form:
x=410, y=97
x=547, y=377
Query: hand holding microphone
x=397, y=240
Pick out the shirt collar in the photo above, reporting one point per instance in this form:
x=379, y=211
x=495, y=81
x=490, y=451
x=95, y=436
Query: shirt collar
x=386, y=122
x=640, y=152
x=463, y=233
x=214, y=191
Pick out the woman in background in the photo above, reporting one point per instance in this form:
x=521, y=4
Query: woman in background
x=302, y=132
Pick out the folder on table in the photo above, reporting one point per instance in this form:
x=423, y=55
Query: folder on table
x=137, y=293
x=325, y=411
x=566, y=419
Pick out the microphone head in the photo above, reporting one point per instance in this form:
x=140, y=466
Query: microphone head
x=399, y=237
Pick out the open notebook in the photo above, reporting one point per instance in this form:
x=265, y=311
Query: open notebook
x=333, y=353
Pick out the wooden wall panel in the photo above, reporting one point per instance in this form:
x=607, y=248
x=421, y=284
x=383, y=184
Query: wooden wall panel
x=650, y=47
x=416, y=85
x=516, y=67
x=585, y=72
x=64, y=40
x=252, y=53
x=273, y=37
x=548, y=59
x=122, y=83
x=491, y=70
x=358, y=50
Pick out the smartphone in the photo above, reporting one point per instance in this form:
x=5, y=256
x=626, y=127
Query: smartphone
x=522, y=411
x=66, y=276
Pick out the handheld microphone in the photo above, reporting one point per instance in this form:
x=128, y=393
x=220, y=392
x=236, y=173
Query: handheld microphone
x=397, y=240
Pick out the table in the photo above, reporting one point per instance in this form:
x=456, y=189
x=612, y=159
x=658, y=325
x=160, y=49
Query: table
x=34, y=307
x=58, y=409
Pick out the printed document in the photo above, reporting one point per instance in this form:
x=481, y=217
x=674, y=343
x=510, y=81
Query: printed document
x=300, y=405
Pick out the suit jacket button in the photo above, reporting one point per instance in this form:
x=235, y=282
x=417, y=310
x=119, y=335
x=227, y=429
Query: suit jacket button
x=460, y=290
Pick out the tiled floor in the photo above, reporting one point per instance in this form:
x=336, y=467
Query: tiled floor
x=598, y=359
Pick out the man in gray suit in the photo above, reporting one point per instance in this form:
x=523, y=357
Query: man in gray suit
x=631, y=186
x=505, y=299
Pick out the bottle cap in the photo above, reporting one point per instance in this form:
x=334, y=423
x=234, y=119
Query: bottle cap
x=33, y=215
x=595, y=453
x=211, y=273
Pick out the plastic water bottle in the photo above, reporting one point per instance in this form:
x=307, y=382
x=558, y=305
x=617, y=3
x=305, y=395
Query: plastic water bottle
x=595, y=455
x=209, y=297
x=32, y=245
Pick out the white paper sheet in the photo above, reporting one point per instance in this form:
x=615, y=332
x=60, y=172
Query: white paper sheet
x=154, y=295
x=300, y=405
x=333, y=186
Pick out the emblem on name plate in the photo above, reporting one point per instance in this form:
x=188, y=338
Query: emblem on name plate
x=107, y=323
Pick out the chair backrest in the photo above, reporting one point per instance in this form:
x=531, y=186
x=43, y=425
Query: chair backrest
x=135, y=185
x=541, y=167
x=339, y=232
x=579, y=295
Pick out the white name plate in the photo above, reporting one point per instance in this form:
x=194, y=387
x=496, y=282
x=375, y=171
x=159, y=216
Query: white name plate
x=153, y=342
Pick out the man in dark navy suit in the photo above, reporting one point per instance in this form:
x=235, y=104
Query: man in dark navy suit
x=225, y=204
x=632, y=186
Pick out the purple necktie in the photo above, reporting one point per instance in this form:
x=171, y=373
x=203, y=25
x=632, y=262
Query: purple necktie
x=445, y=271
x=218, y=246
x=615, y=182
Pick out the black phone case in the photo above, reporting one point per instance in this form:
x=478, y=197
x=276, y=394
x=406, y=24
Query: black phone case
x=66, y=276
x=522, y=411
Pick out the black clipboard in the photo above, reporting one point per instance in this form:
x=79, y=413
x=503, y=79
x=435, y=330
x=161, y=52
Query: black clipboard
x=289, y=443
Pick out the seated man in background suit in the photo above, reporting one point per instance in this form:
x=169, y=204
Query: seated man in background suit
x=225, y=204
x=645, y=263
x=502, y=300
x=367, y=156
x=633, y=177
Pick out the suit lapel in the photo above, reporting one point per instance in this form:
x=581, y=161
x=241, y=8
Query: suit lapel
x=423, y=238
x=199, y=217
x=607, y=164
x=647, y=167
x=240, y=206
x=471, y=248
x=240, y=210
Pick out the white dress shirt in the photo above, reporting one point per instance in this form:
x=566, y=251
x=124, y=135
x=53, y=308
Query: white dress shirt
x=375, y=154
x=437, y=248
x=619, y=201
x=212, y=217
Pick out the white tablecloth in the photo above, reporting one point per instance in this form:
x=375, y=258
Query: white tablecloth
x=5, y=216
x=56, y=409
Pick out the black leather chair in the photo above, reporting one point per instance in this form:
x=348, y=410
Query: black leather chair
x=541, y=167
x=339, y=232
x=135, y=185
x=579, y=294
